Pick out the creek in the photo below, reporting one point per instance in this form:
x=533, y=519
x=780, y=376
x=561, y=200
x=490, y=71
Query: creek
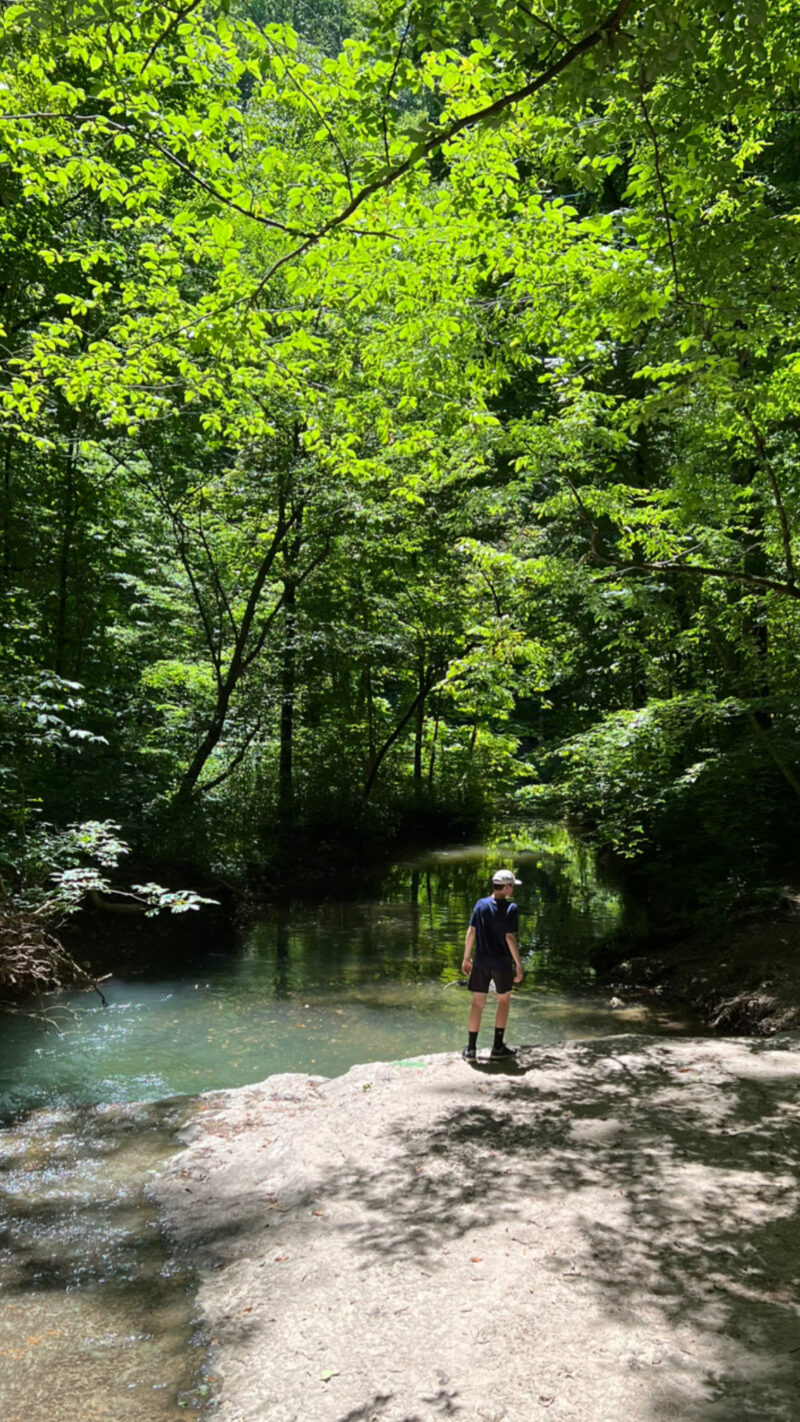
x=95, y=1314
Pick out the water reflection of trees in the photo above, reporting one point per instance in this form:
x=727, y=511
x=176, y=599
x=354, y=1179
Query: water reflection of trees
x=411, y=925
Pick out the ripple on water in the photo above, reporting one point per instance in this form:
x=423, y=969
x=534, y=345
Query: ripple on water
x=95, y=1316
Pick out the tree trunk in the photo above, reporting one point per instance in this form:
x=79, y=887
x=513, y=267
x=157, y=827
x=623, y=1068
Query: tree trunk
x=371, y=748
x=245, y=650
x=419, y=730
x=64, y=560
x=432, y=762
x=7, y=515
x=288, y=676
x=391, y=738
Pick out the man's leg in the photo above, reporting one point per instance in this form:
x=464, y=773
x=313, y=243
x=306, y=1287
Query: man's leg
x=499, y=1048
x=476, y=1010
x=503, y=1006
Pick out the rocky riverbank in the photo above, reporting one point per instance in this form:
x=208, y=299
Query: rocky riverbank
x=604, y=1231
x=747, y=981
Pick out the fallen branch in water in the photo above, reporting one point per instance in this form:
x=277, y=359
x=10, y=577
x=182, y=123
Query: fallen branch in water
x=33, y=961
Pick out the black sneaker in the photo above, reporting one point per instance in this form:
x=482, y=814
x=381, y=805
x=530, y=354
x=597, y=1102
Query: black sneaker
x=502, y=1053
x=469, y=1054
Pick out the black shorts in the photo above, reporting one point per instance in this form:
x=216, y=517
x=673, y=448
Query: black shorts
x=502, y=972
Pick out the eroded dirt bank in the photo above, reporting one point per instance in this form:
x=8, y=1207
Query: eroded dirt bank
x=747, y=981
x=607, y=1234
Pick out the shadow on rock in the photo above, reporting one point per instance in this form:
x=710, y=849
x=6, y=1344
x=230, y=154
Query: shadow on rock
x=674, y=1172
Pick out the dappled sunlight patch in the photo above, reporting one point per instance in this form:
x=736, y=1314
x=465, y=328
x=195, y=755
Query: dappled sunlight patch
x=626, y=1230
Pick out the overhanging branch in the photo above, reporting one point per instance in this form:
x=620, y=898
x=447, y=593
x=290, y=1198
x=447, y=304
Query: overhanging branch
x=603, y=31
x=700, y=570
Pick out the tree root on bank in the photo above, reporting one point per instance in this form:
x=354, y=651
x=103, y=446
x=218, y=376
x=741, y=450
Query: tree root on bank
x=758, y=1014
x=33, y=961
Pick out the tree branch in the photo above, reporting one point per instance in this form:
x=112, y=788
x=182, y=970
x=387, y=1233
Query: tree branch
x=545, y=24
x=220, y=197
x=607, y=27
x=390, y=84
x=237, y=760
x=311, y=102
x=215, y=650
x=700, y=570
x=221, y=593
x=395, y=734
x=659, y=178
x=261, y=636
x=273, y=612
x=173, y=24
x=490, y=585
x=766, y=465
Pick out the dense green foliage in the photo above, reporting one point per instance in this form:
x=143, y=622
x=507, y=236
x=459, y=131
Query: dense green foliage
x=398, y=413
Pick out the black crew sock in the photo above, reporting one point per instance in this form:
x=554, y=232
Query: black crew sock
x=472, y=1041
x=498, y=1037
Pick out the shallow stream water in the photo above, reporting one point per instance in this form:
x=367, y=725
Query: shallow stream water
x=95, y=1317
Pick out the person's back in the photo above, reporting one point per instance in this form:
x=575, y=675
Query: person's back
x=492, y=935
x=492, y=919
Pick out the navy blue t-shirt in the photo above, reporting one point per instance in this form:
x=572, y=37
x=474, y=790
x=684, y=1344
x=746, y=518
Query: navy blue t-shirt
x=492, y=919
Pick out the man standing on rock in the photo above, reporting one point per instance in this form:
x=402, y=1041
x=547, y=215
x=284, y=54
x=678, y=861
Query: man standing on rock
x=492, y=933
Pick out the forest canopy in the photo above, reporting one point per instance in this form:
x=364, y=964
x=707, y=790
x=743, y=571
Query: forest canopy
x=398, y=419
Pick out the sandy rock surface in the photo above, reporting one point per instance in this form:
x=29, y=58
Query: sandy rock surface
x=606, y=1232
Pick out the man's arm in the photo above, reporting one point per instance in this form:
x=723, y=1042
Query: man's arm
x=513, y=948
x=469, y=944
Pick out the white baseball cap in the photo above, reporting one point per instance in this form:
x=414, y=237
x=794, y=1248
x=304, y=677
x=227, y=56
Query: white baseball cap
x=504, y=876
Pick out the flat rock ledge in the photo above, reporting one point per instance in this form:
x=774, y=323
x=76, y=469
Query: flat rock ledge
x=605, y=1231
